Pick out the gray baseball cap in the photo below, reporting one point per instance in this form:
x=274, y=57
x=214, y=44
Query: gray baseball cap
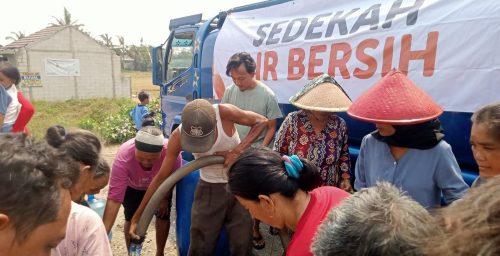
x=198, y=126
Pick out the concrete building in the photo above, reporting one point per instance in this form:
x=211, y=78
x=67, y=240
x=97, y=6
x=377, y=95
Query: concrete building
x=62, y=62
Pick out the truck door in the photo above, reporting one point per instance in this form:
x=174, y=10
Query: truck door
x=179, y=63
x=178, y=86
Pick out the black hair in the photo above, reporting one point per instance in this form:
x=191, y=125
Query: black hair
x=81, y=145
x=148, y=121
x=142, y=96
x=11, y=72
x=241, y=58
x=102, y=168
x=31, y=175
x=261, y=171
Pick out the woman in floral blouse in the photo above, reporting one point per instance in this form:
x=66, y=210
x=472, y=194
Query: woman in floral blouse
x=316, y=133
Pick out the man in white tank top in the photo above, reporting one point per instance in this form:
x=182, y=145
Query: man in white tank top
x=208, y=129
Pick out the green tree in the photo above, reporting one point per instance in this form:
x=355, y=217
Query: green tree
x=15, y=36
x=66, y=20
x=106, y=40
x=141, y=56
x=122, y=50
x=121, y=42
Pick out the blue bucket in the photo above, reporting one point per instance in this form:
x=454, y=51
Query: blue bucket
x=185, y=189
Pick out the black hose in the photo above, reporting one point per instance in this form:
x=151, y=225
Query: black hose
x=168, y=184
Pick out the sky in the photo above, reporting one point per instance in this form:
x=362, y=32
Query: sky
x=147, y=19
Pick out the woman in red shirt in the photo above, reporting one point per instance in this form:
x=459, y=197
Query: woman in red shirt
x=283, y=192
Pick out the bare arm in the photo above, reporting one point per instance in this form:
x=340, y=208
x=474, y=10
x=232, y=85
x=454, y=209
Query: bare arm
x=118, y=183
x=110, y=213
x=271, y=129
x=173, y=151
x=235, y=115
x=2, y=117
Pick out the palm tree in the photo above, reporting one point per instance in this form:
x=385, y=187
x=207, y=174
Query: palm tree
x=16, y=36
x=107, y=40
x=65, y=20
x=121, y=41
x=123, y=49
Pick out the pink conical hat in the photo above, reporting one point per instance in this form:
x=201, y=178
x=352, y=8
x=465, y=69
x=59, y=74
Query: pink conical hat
x=395, y=99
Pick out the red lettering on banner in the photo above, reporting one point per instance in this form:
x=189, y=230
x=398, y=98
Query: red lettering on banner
x=370, y=61
x=340, y=56
x=296, y=58
x=258, y=62
x=314, y=62
x=341, y=63
x=388, y=53
x=428, y=55
x=270, y=62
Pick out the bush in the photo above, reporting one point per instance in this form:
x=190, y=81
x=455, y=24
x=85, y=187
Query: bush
x=108, y=118
x=88, y=124
x=83, y=113
x=116, y=128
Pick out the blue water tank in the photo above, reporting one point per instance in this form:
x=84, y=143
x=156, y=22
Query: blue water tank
x=185, y=189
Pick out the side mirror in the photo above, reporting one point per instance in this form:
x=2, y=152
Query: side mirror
x=157, y=65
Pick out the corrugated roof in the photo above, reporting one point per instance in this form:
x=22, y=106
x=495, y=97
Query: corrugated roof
x=35, y=37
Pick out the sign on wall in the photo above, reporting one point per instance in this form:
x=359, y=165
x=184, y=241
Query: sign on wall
x=62, y=67
x=449, y=48
x=32, y=79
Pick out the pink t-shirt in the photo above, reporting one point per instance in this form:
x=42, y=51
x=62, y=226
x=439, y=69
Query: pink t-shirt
x=85, y=234
x=127, y=172
x=322, y=200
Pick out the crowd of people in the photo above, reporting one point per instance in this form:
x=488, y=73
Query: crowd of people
x=408, y=195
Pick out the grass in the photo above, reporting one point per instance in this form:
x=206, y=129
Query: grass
x=70, y=113
x=142, y=81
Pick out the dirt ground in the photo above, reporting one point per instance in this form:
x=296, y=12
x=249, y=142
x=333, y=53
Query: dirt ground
x=273, y=245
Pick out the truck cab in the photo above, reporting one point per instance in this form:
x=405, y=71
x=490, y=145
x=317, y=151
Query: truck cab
x=173, y=70
x=183, y=68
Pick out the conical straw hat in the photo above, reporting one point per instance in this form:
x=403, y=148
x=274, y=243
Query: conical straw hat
x=395, y=100
x=322, y=93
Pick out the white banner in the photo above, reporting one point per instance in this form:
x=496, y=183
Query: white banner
x=62, y=67
x=449, y=48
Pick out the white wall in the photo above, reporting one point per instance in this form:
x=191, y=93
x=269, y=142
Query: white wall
x=98, y=66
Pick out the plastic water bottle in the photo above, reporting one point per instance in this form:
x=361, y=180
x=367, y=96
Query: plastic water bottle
x=135, y=247
x=98, y=205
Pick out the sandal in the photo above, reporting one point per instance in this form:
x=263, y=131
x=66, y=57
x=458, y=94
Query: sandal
x=258, y=242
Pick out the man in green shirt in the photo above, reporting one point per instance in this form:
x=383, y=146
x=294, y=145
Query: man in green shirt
x=248, y=93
